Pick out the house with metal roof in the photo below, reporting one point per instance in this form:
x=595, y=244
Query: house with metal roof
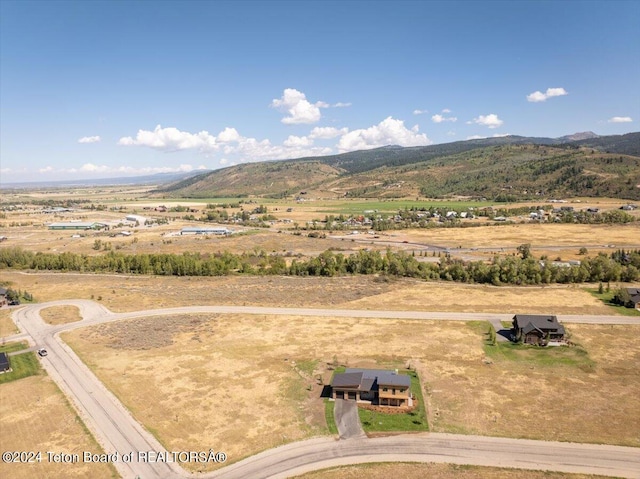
x=538, y=329
x=377, y=386
x=76, y=225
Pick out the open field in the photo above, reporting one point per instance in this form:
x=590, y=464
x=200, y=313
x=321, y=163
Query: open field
x=132, y=293
x=37, y=417
x=7, y=326
x=60, y=315
x=434, y=471
x=192, y=363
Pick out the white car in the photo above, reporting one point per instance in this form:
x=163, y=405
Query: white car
x=42, y=352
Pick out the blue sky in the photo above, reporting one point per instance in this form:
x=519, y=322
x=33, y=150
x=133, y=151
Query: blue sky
x=101, y=89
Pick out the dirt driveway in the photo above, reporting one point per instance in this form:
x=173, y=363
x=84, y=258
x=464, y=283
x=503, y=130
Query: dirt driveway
x=347, y=419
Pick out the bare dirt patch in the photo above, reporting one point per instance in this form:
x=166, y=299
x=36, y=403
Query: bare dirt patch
x=60, y=314
x=245, y=383
x=37, y=417
x=433, y=471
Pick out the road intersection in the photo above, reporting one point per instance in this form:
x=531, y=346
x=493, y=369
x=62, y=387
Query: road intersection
x=118, y=432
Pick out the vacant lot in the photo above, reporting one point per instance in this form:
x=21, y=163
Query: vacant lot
x=434, y=471
x=60, y=314
x=245, y=383
x=7, y=326
x=133, y=293
x=37, y=417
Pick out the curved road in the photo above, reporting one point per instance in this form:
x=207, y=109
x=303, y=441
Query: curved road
x=118, y=431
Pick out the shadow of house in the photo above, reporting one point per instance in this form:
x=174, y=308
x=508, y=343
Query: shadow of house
x=537, y=329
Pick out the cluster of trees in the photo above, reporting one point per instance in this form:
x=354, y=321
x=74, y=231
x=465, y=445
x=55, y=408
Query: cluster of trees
x=524, y=269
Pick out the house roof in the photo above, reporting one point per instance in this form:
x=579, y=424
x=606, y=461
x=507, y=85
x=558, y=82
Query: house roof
x=371, y=378
x=3, y=292
x=4, y=362
x=347, y=380
x=540, y=322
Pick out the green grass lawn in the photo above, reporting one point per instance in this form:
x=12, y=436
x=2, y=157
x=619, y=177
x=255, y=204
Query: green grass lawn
x=22, y=365
x=328, y=414
x=13, y=346
x=606, y=298
x=390, y=206
x=415, y=420
x=550, y=356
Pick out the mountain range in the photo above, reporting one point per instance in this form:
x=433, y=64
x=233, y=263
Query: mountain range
x=501, y=168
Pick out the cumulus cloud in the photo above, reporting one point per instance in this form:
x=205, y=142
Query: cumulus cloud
x=47, y=169
x=446, y=110
x=437, y=118
x=420, y=112
x=299, y=109
x=171, y=139
x=89, y=139
x=327, y=132
x=538, y=96
x=475, y=137
x=388, y=132
x=341, y=105
x=91, y=168
x=491, y=121
x=297, y=141
x=620, y=119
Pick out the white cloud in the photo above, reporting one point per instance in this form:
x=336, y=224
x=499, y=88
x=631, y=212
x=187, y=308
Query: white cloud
x=171, y=139
x=437, y=118
x=299, y=109
x=341, y=105
x=501, y=135
x=446, y=110
x=89, y=139
x=420, y=112
x=327, y=132
x=91, y=168
x=491, y=121
x=297, y=141
x=538, y=96
x=47, y=169
x=475, y=137
x=388, y=132
x=620, y=119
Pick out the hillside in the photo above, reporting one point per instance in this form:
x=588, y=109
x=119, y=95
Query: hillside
x=505, y=168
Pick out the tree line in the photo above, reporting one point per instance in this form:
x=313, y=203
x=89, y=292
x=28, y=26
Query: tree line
x=519, y=270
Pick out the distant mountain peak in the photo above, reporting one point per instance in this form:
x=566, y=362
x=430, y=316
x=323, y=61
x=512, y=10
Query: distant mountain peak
x=584, y=135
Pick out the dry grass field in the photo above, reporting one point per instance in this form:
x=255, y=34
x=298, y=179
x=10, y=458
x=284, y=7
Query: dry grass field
x=7, y=326
x=245, y=383
x=37, y=417
x=60, y=314
x=434, y=471
x=132, y=293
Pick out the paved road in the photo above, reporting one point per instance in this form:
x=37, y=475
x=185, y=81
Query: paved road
x=117, y=430
x=305, y=456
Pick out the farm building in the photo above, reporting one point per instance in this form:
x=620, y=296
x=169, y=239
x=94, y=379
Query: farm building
x=380, y=387
x=196, y=230
x=141, y=220
x=5, y=365
x=76, y=225
x=537, y=329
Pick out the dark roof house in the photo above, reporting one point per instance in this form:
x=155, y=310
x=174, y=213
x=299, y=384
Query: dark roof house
x=379, y=386
x=634, y=296
x=537, y=329
x=4, y=363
